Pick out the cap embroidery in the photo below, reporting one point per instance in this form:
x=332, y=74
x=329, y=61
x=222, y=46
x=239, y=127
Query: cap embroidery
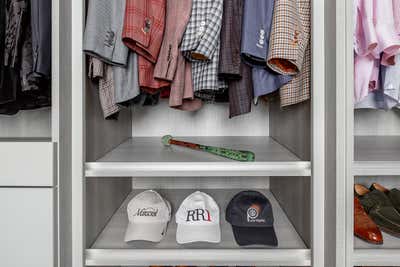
x=147, y=212
x=198, y=215
x=252, y=214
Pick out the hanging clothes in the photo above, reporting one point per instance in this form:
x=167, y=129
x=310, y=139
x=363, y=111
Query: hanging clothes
x=257, y=26
x=103, y=40
x=22, y=88
x=103, y=74
x=41, y=36
x=143, y=31
x=231, y=68
x=376, y=42
x=290, y=49
x=201, y=46
x=171, y=65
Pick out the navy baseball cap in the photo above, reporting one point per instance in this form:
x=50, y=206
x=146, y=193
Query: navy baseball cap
x=251, y=216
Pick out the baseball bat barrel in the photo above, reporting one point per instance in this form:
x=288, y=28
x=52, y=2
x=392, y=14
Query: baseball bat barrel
x=238, y=155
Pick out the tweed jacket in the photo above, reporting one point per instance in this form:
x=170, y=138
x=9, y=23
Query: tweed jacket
x=41, y=36
x=290, y=49
x=144, y=27
x=103, y=73
x=201, y=45
x=231, y=67
x=3, y=91
x=290, y=36
x=103, y=31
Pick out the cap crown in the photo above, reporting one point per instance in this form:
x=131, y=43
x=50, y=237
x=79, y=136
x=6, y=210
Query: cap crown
x=149, y=207
x=250, y=209
x=198, y=209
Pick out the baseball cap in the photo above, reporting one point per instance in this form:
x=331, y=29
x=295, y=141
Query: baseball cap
x=198, y=220
x=148, y=215
x=251, y=216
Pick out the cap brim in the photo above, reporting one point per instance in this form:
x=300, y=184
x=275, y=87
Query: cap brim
x=246, y=236
x=199, y=233
x=153, y=232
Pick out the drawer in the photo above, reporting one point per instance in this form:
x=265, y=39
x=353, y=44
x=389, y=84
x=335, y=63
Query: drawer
x=27, y=163
x=27, y=227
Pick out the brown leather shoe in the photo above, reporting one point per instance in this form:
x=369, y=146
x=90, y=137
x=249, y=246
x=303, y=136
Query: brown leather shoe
x=364, y=227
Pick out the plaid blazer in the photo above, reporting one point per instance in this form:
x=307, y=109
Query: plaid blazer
x=201, y=45
x=144, y=27
x=103, y=31
x=147, y=81
x=103, y=74
x=290, y=49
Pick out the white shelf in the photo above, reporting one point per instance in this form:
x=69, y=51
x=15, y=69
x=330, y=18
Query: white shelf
x=110, y=249
x=377, y=155
x=376, y=257
x=387, y=254
x=145, y=157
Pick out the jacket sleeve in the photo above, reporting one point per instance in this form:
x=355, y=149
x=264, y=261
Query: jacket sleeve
x=212, y=28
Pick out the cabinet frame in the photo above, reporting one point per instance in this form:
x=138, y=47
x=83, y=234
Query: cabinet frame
x=75, y=22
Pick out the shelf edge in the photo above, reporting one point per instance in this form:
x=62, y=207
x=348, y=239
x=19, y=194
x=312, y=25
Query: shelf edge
x=197, y=257
x=196, y=169
x=376, y=257
x=385, y=168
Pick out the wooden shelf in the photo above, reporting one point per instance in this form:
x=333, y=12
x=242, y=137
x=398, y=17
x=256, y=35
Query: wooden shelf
x=377, y=155
x=110, y=248
x=145, y=157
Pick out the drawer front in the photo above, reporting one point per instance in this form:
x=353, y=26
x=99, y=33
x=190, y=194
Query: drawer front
x=27, y=227
x=27, y=164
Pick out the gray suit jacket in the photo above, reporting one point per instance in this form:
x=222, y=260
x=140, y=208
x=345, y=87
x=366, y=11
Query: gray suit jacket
x=103, y=33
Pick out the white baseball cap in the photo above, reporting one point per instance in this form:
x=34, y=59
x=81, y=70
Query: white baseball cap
x=198, y=220
x=148, y=215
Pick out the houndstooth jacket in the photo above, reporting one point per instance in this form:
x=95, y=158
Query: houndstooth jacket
x=290, y=50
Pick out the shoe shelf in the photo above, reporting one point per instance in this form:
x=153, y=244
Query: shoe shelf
x=377, y=155
x=146, y=156
x=110, y=249
x=376, y=257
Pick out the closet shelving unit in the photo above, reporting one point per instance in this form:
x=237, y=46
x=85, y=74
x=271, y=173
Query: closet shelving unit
x=29, y=177
x=371, y=140
x=114, y=160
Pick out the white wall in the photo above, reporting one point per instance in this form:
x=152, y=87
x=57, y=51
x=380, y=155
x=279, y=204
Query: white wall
x=377, y=122
x=211, y=120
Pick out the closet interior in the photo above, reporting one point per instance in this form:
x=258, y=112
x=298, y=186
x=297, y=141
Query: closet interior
x=124, y=157
x=373, y=125
x=376, y=160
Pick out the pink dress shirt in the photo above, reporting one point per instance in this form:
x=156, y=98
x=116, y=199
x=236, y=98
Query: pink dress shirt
x=375, y=35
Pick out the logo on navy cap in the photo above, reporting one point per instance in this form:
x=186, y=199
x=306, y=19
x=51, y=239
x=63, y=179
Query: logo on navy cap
x=252, y=214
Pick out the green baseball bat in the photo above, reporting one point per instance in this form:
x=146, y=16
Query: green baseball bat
x=238, y=155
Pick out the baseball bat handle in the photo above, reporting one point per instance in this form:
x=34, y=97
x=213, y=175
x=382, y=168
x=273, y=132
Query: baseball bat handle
x=238, y=155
